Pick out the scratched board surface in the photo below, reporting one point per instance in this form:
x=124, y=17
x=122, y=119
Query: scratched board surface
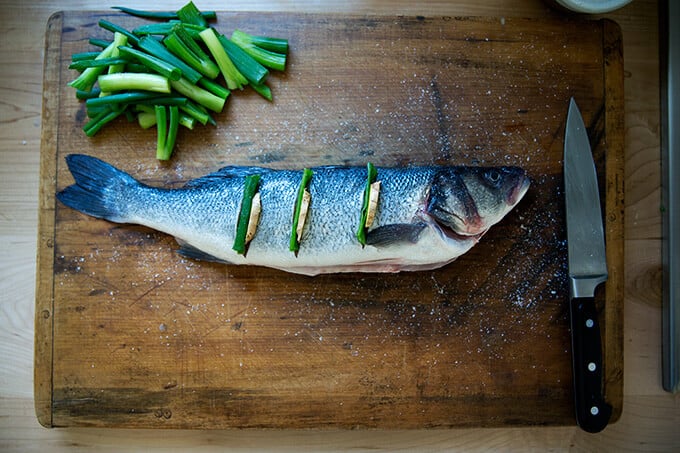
x=129, y=333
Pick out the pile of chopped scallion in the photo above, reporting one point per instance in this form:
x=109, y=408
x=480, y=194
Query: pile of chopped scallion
x=167, y=74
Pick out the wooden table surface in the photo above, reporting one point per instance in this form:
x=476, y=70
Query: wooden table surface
x=650, y=417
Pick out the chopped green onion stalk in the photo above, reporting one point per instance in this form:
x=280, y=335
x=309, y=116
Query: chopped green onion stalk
x=136, y=67
x=214, y=87
x=164, y=100
x=186, y=121
x=178, y=47
x=263, y=90
x=203, y=97
x=164, y=70
x=158, y=50
x=165, y=28
x=88, y=77
x=371, y=175
x=80, y=56
x=189, y=34
x=155, y=64
x=198, y=112
x=81, y=65
x=265, y=57
x=105, y=116
x=246, y=65
x=84, y=95
x=100, y=42
x=232, y=76
x=146, y=119
x=119, y=39
x=190, y=14
x=165, y=151
x=208, y=15
x=249, y=191
x=294, y=244
x=110, y=26
x=134, y=81
x=277, y=45
x=124, y=99
x=161, y=129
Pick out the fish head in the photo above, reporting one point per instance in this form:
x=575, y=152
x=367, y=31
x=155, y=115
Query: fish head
x=467, y=201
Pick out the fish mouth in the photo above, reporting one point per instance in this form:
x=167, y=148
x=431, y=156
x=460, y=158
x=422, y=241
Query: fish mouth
x=517, y=193
x=446, y=232
x=466, y=227
x=452, y=234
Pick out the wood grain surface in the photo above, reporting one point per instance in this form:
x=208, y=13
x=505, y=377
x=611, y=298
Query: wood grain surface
x=650, y=416
x=137, y=336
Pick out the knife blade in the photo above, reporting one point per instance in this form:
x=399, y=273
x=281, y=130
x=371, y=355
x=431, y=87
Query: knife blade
x=587, y=269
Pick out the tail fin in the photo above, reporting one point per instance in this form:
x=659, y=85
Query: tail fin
x=99, y=188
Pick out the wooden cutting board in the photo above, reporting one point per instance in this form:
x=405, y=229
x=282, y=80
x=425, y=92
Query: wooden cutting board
x=130, y=334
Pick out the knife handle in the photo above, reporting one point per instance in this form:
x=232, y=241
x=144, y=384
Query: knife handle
x=592, y=411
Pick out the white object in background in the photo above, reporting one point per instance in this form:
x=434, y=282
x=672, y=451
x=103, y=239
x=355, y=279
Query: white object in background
x=592, y=6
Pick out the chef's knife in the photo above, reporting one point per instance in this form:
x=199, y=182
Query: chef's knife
x=587, y=269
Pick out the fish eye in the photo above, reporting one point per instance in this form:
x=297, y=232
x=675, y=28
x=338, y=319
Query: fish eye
x=493, y=176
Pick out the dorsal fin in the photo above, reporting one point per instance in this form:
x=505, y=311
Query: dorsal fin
x=232, y=171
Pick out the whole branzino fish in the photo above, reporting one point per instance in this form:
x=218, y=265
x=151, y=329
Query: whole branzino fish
x=426, y=216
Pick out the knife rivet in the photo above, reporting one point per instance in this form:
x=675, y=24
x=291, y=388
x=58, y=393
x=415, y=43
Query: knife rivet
x=589, y=323
x=594, y=410
x=592, y=366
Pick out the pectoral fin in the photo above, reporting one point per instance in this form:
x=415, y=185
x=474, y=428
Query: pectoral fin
x=394, y=233
x=189, y=251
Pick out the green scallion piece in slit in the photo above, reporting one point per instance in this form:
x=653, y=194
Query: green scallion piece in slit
x=294, y=245
x=249, y=190
x=371, y=176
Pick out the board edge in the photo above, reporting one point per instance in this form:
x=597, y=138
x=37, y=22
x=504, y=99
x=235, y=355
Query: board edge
x=612, y=46
x=44, y=294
